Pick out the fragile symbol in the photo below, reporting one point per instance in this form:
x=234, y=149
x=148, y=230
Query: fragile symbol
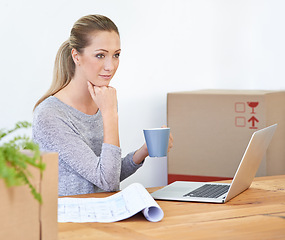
x=252, y=105
x=253, y=119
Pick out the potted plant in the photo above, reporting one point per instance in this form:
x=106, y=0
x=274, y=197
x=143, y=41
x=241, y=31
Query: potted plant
x=14, y=160
x=28, y=196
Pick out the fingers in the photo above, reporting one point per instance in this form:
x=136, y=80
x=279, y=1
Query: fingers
x=170, y=143
x=105, y=97
x=95, y=90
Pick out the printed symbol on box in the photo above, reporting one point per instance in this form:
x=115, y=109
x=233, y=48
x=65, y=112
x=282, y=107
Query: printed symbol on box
x=253, y=119
x=240, y=121
x=252, y=105
x=239, y=107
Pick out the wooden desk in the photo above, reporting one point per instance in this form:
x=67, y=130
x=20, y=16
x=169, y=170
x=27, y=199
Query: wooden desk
x=258, y=213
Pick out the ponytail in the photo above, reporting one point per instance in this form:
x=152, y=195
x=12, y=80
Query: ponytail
x=63, y=72
x=64, y=67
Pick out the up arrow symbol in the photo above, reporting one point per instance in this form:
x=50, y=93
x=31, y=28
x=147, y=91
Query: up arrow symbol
x=253, y=119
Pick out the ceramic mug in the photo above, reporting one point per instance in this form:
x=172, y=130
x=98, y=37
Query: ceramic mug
x=157, y=141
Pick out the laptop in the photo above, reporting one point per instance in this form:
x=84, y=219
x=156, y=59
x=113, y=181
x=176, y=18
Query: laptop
x=222, y=192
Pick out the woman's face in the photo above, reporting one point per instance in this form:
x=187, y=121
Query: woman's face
x=99, y=61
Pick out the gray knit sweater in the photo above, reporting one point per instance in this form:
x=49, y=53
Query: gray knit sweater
x=86, y=164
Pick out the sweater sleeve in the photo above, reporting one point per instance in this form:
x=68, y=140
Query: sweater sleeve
x=129, y=166
x=55, y=133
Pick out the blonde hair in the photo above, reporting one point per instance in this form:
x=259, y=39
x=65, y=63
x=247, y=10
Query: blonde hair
x=64, y=67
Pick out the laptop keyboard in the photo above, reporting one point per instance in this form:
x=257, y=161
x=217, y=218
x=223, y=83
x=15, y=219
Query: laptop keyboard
x=208, y=191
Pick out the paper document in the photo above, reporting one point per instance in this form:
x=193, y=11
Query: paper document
x=122, y=205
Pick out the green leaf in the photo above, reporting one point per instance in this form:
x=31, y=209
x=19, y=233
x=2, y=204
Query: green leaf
x=14, y=163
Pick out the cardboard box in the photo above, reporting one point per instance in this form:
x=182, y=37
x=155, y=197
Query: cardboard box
x=211, y=129
x=23, y=217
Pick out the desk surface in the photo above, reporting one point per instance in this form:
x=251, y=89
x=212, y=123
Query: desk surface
x=257, y=213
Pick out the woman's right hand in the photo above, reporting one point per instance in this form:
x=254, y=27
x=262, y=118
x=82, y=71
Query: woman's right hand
x=105, y=98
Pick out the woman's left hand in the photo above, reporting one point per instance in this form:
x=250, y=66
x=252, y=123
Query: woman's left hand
x=142, y=153
x=170, y=142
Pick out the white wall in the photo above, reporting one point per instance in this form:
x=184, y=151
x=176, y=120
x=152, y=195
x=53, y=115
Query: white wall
x=167, y=45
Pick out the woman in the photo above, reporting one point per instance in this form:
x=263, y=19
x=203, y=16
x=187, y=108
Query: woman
x=78, y=115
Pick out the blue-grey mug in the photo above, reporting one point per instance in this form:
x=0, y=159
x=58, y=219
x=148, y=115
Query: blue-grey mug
x=157, y=141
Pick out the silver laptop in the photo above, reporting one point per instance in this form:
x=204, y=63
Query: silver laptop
x=222, y=192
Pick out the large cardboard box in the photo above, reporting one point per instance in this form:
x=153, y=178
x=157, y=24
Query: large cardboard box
x=211, y=129
x=23, y=217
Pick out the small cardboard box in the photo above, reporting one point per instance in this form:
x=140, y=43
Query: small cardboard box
x=23, y=217
x=211, y=129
